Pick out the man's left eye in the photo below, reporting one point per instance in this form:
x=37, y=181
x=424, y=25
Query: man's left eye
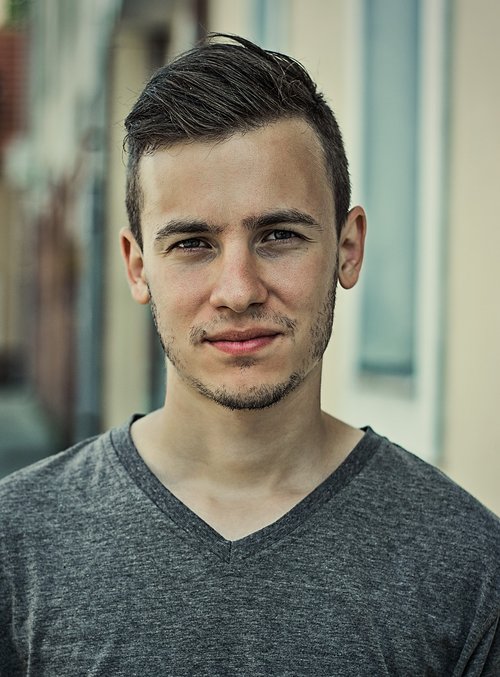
x=191, y=243
x=280, y=235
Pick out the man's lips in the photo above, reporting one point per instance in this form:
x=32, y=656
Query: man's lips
x=241, y=335
x=238, y=342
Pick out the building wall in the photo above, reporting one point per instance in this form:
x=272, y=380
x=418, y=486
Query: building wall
x=58, y=169
x=126, y=349
x=472, y=354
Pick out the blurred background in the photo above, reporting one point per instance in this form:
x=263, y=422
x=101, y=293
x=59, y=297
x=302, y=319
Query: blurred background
x=416, y=90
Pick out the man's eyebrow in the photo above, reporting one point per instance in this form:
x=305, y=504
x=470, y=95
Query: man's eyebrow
x=279, y=216
x=186, y=227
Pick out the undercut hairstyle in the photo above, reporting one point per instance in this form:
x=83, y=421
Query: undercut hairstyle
x=220, y=88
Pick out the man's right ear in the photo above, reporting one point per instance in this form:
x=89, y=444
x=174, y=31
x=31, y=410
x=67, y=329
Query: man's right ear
x=134, y=266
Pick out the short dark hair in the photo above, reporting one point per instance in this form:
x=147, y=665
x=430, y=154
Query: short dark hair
x=219, y=88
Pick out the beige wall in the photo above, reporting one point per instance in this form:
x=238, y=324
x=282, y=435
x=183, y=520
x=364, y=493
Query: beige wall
x=228, y=16
x=126, y=348
x=472, y=384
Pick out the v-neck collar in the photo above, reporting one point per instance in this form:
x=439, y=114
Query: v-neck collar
x=196, y=528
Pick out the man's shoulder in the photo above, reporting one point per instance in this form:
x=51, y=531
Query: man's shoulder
x=424, y=486
x=417, y=493
x=55, y=480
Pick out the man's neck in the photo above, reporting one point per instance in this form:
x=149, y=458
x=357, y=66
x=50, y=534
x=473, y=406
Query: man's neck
x=215, y=459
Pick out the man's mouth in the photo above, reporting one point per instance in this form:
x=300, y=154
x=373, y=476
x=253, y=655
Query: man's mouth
x=237, y=342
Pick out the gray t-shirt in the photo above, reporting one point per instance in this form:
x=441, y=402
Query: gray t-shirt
x=386, y=568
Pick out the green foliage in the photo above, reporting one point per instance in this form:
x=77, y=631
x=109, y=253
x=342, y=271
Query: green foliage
x=18, y=12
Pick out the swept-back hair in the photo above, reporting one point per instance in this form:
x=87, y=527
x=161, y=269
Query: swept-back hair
x=219, y=88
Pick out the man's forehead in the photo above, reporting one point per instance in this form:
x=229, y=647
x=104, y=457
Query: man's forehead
x=278, y=166
x=292, y=130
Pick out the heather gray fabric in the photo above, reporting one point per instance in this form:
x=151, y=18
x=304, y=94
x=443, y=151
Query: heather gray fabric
x=387, y=568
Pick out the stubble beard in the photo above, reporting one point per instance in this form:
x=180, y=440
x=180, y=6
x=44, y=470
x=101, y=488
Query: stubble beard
x=264, y=395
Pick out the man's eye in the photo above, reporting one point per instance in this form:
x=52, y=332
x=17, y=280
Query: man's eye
x=280, y=235
x=192, y=243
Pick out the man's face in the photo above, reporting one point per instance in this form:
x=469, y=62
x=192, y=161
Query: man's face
x=240, y=261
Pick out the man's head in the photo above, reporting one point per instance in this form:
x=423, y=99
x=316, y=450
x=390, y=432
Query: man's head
x=237, y=178
x=217, y=89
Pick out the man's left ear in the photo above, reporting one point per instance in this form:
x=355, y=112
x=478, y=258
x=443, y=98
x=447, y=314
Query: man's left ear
x=352, y=247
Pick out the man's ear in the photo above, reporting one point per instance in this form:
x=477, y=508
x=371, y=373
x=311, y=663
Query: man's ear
x=352, y=247
x=134, y=266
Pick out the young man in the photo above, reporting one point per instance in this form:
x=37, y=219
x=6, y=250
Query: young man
x=240, y=530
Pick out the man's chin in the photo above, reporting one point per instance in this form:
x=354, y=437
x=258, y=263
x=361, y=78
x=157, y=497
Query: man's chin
x=251, y=398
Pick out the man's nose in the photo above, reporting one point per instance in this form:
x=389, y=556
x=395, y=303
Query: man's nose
x=238, y=282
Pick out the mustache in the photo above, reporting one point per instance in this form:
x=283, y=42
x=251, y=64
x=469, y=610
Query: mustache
x=199, y=333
